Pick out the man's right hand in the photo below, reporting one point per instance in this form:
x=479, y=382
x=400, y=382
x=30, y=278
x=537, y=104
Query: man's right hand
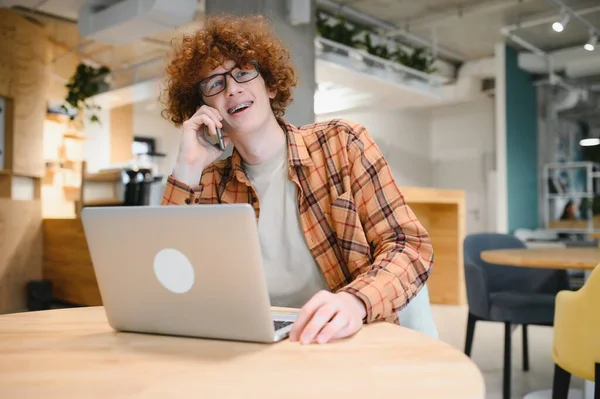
x=195, y=152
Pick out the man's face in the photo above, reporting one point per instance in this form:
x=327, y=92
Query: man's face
x=241, y=96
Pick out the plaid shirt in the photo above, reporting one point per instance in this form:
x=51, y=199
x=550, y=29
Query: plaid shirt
x=364, y=237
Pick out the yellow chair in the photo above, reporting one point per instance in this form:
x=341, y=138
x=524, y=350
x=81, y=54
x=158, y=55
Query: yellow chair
x=577, y=336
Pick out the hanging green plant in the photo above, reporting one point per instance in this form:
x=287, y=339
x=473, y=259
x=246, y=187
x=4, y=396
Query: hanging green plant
x=86, y=82
x=342, y=32
x=379, y=50
x=420, y=59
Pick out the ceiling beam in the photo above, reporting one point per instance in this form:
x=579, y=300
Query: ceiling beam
x=383, y=26
x=546, y=19
x=457, y=13
x=566, y=9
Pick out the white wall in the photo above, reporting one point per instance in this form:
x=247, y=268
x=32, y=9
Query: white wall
x=462, y=138
x=148, y=122
x=96, y=147
x=450, y=147
x=403, y=137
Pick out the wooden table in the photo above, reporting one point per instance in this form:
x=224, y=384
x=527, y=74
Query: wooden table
x=549, y=258
x=73, y=353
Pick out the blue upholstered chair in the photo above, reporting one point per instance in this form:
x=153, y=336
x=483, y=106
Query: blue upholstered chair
x=507, y=294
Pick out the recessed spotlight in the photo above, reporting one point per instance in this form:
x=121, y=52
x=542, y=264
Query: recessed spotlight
x=589, y=142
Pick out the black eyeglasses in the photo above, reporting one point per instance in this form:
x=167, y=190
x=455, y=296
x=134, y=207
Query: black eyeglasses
x=214, y=84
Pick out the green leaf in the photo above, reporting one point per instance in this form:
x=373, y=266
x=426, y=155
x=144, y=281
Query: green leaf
x=337, y=29
x=83, y=84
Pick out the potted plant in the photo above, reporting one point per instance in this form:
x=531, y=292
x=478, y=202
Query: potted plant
x=420, y=59
x=339, y=31
x=86, y=82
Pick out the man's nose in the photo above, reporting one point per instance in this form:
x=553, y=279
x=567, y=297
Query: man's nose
x=233, y=87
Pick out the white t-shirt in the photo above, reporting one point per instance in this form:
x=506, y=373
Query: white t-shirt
x=292, y=274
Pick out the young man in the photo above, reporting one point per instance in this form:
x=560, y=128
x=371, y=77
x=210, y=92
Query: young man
x=337, y=238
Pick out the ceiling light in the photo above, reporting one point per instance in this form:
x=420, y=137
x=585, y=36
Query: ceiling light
x=589, y=142
x=591, y=44
x=559, y=26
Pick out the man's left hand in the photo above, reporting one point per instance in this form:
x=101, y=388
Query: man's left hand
x=328, y=316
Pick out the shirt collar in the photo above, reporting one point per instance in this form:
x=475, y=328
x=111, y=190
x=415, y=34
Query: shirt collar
x=297, y=151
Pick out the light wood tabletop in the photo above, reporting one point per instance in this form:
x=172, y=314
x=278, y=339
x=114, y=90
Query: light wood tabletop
x=73, y=353
x=550, y=258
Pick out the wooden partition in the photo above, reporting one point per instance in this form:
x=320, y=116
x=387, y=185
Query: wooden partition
x=442, y=213
x=68, y=265
x=23, y=85
x=23, y=80
x=20, y=251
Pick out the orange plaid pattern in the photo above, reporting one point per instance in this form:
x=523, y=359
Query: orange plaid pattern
x=362, y=234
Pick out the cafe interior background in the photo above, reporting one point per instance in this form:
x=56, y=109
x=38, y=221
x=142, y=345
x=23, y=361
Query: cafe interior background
x=487, y=111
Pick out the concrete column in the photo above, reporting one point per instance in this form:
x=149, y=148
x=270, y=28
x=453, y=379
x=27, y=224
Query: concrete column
x=299, y=39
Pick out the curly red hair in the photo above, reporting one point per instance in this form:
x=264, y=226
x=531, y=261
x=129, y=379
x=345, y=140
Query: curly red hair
x=241, y=39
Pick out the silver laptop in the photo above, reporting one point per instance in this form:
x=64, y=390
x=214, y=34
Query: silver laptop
x=191, y=270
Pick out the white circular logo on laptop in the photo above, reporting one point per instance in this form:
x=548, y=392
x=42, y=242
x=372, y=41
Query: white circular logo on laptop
x=174, y=270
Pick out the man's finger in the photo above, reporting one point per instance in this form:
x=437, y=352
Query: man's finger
x=306, y=313
x=319, y=320
x=333, y=329
x=216, y=115
x=349, y=329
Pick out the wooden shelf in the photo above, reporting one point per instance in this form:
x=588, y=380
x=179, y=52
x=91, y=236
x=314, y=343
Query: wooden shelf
x=66, y=164
x=432, y=195
x=104, y=202
x=60, y=118
x=74, y=136
x=71, y=192
x=106, y=177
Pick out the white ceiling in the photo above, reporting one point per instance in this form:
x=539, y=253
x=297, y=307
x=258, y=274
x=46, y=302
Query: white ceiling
x=67, y=9
x=129, y=63
x=467, y=28
x=472, y=27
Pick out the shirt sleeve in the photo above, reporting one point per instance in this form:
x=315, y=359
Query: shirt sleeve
x=403, y=253
x=179, y=193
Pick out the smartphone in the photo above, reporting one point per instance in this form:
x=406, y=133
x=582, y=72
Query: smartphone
x=220, y=143
x=219, y=140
